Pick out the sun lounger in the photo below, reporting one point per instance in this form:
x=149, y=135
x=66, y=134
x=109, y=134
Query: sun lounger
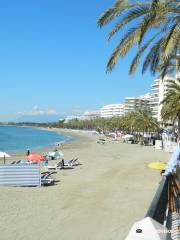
x=19, y=161
x=65, y=165
x=72, y=162
x=47, y=179
x=53, y=167
x=75, y=162
x=22, y=162
x=68, y=164
x=25, y=162
x=14, y=162
x=102, y=141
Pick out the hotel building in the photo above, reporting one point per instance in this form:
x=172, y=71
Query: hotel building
x=158, y=90
x=92, y=115
x=135, y=103
x=151, y=101
x=112, y=110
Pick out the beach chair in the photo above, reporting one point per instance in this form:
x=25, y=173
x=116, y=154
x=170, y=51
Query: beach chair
x=18, y=162
x=68, y=164
x=47, y=179
x=13, y=162
x=49, y=167
x=53, y=167
x=64, y=164
x=25, y=162
x=102, y=141
x=72, y=162
x=76, y=162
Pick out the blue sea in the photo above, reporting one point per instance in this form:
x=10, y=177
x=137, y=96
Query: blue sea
x=14, y=139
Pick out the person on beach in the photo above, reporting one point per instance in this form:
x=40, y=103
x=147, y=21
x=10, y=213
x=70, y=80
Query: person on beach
x=60, y=145
x=62, y=163
x=28, y=152
x=46, y=161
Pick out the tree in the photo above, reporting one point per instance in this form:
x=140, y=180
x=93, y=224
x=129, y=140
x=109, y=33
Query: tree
x=140, y=120
x=152, y=26
x=171, y=103
x=144, y=121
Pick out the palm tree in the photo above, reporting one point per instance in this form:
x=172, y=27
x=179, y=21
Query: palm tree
x=171, y=103
x=144, y=121
x=153, y=27
x=140, y=121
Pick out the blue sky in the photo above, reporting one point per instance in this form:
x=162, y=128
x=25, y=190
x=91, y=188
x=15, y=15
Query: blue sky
x=53, y=58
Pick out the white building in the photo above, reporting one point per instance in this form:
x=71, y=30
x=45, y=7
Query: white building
x=148, y=101
x=69, y=118
x=135, y=103
x=154, y=101
x=92, y=115
x=86, y=116
x=112, y=110
x=158, y=90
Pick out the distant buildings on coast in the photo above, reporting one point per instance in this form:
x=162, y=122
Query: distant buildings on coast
x=149, y=101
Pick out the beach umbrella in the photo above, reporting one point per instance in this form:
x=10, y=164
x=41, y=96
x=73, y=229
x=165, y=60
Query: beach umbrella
x=4, y=155
x=35, y=157
x=157, y=165
x=56, y=154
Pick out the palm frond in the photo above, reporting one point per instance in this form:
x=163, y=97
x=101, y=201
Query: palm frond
x=136, y=59
x=152, y=17
x=152, y=58
x=123, y=47
x=131, y=15
x=169, y=42
x=112, y=12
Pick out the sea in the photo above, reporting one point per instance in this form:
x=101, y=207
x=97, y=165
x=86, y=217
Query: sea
x=16, y=139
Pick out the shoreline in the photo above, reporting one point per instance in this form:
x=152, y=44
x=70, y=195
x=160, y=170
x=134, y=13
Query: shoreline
x=67, y=138
x=77, y=136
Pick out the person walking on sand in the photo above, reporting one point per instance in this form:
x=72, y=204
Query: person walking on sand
x=60, y=145
x=62, y=163
x=28, y=152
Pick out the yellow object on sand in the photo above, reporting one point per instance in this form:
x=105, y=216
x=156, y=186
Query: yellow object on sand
x=157, y=165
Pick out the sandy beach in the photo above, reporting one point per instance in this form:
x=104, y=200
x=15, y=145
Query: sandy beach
x=98, y=200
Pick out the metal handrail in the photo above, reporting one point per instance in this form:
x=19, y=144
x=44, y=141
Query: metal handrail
x=158, y=207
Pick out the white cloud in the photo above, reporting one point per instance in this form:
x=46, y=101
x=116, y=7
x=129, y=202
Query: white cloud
x=36, y=111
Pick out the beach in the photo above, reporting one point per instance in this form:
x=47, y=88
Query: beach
x=97, y=200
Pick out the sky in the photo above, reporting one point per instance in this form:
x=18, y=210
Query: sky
x=53, y=60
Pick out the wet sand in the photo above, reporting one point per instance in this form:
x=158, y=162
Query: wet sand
x=98, y=200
